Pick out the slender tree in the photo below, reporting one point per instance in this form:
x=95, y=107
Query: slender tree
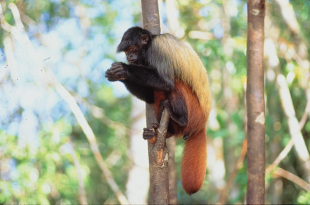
x=255, y=103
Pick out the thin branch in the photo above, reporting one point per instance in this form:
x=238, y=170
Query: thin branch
x=281, y=156
x=21, y=36
x=286, y=101
x=161, y=136
x=290, y=19
x=290, y=144
x=7, y=27
x=293, y=178
x=232, y=175
x=83, y=198
x=98, y=113
x=289, y=16
x=288, y=108
x=307, y=111
x=293, y=124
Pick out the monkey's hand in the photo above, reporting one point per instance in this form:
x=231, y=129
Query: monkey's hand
x=117, y=72
x=150, y=133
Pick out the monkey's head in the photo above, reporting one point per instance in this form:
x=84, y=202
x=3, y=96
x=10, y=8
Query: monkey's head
x=134, y=42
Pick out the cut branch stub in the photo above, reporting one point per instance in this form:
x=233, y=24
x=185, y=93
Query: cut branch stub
x=159, y=148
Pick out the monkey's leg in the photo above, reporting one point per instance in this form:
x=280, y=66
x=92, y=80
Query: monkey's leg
x=179, y=114
x=177, y=109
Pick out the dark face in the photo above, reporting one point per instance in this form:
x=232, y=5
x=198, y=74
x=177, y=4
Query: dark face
x=134, y=42
x=133, y=51
x=132, y=54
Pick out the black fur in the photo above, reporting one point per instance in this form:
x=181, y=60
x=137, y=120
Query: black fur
x=141, y=92
x=147, y=77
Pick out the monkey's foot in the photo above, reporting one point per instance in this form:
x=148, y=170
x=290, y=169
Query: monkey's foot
x=150, y=133
x=186, y=136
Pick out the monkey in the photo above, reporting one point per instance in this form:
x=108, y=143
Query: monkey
x=168, y=73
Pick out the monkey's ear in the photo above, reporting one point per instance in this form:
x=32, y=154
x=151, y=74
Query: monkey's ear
x=144, y=38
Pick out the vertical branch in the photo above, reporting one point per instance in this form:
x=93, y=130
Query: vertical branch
x=255, y=103
x=289, y=16
x=150, y=16
x=158, y=152
x=173, y=17
x=83, y=199
x=158, y=159
x=224, y=192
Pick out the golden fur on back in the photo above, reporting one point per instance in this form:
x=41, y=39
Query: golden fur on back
x=174, y=58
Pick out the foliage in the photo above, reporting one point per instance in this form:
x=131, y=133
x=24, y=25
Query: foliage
x=77, y=40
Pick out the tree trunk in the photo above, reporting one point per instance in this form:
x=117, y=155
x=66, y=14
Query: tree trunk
x=158, y=152
x=255, y=103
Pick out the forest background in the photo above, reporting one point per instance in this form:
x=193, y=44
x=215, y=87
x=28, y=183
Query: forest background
x=58, y=112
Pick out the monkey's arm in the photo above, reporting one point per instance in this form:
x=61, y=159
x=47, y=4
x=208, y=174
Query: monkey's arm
x=141, y=75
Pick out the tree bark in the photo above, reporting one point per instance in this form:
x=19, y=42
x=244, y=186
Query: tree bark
x=158, y=160
x=150, y=16
x=173, y=198
x=158, y=152
x=255, y=103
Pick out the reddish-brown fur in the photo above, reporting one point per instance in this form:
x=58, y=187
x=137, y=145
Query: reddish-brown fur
x=193, y=166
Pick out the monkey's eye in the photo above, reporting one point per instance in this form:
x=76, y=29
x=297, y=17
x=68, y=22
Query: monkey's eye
x=131, y=50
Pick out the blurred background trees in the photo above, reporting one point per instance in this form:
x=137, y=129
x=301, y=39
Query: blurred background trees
x=54, y=54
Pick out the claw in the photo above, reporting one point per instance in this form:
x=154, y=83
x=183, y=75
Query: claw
x=155, y=126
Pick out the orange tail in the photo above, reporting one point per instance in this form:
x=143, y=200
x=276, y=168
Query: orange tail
x=194, y=162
